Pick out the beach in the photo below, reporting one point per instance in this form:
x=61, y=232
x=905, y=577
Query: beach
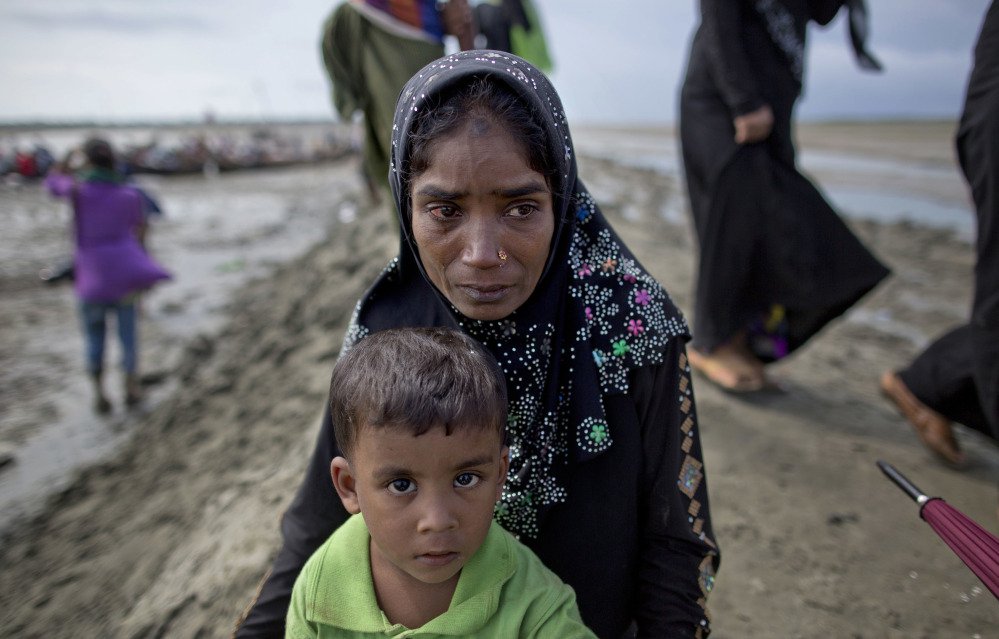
x=160, y=522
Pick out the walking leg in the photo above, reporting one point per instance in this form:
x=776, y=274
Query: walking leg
x=92, y=320
x=128, y=335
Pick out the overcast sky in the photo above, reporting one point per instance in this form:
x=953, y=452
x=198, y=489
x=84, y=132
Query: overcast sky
x=616, y=62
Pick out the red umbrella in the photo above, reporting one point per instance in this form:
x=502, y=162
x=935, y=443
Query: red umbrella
x=977, y=547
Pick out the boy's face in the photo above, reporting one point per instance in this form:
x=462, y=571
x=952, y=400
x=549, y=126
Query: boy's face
x=427, y=501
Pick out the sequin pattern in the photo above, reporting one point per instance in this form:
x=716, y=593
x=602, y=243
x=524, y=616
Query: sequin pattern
x=534, y=433
x=627, y=326
x=689, y=481
x=625, y=309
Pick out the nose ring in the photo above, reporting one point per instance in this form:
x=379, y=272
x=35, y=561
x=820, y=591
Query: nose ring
x=502, y=255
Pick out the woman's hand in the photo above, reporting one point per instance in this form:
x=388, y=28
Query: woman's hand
x=754, y=126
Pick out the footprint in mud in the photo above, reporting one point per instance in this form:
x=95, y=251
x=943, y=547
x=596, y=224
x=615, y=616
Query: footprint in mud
x=7, y=456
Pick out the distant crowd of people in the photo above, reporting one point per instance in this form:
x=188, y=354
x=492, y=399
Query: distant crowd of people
x=28, y=163
x=219, y=150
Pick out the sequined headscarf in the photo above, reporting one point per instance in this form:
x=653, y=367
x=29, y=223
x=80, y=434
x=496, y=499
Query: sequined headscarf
x=595, y=315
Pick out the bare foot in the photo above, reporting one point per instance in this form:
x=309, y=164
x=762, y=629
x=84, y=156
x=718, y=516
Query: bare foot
x=730, y=367
x=933, y=429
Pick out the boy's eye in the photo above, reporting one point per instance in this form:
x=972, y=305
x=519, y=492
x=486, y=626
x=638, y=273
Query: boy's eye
x=401, y=486
x=467, y=480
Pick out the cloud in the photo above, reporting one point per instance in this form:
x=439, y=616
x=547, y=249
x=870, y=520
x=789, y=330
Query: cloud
x=97, y=19
x=121, y=58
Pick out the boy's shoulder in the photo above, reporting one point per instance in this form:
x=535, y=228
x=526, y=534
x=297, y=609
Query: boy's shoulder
x=340, y=557
x=336, y=579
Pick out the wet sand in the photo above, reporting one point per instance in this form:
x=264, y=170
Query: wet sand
x=166, y=530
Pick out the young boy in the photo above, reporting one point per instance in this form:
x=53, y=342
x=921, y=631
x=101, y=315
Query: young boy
x=419, y=415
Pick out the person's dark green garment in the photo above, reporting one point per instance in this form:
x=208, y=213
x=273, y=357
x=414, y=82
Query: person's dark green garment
x=368, y=66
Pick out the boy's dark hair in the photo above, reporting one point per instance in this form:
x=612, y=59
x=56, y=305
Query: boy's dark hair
x=416, y=379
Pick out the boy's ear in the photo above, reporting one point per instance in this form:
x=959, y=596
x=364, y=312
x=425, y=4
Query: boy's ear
x=504, y=467
x=345, y=484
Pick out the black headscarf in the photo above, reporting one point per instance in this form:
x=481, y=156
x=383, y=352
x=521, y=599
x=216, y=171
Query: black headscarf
x=595, y=315
x=786, y=24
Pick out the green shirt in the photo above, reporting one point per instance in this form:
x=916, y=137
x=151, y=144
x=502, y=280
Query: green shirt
x=503, y=591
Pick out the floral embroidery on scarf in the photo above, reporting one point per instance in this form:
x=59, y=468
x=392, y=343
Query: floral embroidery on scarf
x=593, y=435
x=617, y=326
x=626, y=325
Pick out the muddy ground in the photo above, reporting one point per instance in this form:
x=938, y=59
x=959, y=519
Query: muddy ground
x=167, y=531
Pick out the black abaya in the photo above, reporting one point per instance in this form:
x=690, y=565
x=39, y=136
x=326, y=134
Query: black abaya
x=958, y=375
x=768, y=237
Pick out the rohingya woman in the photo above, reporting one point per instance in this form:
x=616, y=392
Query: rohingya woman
x=502, y=241
x=776, y=262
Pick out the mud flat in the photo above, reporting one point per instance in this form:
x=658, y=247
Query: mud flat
x=168, y=532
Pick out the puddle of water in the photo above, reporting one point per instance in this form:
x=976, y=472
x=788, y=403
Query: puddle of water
x=864, y=188
x=898, y=207
x=849, y=163
x=653, y=150
x=44, y=461
x=216, y=235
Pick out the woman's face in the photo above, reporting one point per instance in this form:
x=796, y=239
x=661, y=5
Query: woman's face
x=482, y=221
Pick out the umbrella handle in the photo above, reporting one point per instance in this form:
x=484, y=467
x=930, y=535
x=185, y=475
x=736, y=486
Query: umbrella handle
x=902, y=482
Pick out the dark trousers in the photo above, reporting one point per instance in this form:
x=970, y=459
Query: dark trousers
x=958, y=375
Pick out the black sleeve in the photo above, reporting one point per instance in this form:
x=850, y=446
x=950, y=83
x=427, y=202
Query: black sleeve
x=312, y=517
x=823, y=11
x=722, y=30
x=678, y=553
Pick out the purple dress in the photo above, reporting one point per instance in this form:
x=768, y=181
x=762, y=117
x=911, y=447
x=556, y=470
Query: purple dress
x=110, y=263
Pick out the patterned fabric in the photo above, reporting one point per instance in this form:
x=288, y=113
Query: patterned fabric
x=420, y=14
x=595, y=315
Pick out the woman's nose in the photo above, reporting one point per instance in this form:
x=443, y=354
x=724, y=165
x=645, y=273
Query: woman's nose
x=482, y=245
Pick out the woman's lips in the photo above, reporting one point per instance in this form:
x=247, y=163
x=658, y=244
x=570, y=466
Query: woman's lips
x=485, y=293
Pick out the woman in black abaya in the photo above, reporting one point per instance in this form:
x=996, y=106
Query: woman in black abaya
x=776, y=262
x=956, y=378
x=502, y=241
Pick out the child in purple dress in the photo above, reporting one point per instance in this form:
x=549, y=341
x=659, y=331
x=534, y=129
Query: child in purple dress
x=110, y=264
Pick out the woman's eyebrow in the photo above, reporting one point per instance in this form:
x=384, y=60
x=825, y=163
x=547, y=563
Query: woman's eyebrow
x=440, y=193
x=530, y=188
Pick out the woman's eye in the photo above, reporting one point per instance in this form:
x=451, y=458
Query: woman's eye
x=522, y=210
x=467, y=480
x=443, y=211
x=401, y=486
